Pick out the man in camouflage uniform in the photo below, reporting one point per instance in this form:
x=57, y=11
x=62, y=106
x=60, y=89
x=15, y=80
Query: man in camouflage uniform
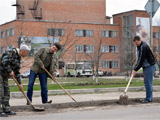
x=44, y=58
x=9, y=67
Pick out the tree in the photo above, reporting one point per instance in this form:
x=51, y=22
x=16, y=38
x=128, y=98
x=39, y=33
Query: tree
x=65, y=34
x=100, y=43
x=128, y=55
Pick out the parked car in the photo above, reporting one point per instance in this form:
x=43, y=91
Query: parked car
x=100, y=73
x=57, y=74
x=25, y=74
x=157, y=74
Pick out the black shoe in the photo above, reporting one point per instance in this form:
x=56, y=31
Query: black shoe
x=10, y=113
x=48, y=102
x=27, y=103
x=2, y=114
x=144, y=101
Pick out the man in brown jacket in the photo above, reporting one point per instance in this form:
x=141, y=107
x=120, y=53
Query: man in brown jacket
x=44, y=58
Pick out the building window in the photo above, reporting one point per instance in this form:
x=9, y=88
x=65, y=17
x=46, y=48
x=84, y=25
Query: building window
x=63, y=48
x=128, y=20
x=110, y=64
x=89, y=48
x=156, y=35
x=61, y=64
x=2, y=35
x=105, y=64
x=11, y=32
x=7, y=33
x=89, y=33
x=116, y=49
x=109, y=48
x=79, y=33
x=79, y=48
x=114, y=34
x=2, y=50
x=106, y=33
x=156, y=49
x=114, y=64
x=56, y=32
x=84, y=33
x=105, y=49
x=113, y=48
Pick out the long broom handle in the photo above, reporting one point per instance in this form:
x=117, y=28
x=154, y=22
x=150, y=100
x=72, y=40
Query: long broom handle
x=128, y=84
x=23, y=92
x=60, y=85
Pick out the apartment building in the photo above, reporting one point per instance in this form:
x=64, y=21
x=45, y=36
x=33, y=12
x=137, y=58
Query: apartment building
x=81, y=26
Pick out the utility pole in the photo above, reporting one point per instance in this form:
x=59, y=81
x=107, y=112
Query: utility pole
x=151, y=7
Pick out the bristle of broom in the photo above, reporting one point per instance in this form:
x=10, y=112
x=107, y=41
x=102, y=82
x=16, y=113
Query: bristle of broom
x=123, y=100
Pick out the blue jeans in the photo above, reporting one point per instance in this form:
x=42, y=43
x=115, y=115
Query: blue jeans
x=43, y=83
x=148, y=73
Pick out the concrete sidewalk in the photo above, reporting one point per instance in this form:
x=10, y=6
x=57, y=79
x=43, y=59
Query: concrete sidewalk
x=109, y=94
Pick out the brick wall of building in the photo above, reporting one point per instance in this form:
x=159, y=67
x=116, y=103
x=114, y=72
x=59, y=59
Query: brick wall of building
x=76, y=15
x=84, y=11
x=39, y=29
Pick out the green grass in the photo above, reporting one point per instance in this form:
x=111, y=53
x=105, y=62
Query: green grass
x=83, y=83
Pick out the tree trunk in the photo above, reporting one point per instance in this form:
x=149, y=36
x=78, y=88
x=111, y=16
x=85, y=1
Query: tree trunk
x=96, y=78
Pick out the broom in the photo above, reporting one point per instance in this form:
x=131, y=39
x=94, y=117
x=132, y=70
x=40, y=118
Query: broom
x=60, y=85
x=123, y=99
x=33, y=107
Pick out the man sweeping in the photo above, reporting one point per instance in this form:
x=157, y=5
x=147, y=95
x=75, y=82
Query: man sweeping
x=147, y=61
x=44, y=58
x=9, y=67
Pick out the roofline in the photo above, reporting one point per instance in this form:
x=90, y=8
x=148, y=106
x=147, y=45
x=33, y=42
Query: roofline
x=7, y=22
x=108, y=17
x=129, y=11
x=26, y=20
x=156, y=26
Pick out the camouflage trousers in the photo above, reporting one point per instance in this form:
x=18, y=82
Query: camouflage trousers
x=4, y=94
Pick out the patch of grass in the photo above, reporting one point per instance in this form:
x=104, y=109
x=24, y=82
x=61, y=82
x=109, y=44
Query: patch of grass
x=83, y=83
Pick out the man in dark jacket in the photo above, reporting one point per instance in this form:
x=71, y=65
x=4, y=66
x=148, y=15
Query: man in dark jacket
x=9, y=67
x=147, y=61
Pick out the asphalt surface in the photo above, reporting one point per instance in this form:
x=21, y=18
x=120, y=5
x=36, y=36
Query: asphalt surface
x=148, y=111
x=110, y=97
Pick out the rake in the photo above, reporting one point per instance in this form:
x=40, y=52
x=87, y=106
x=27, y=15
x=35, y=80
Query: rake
x=33, y=107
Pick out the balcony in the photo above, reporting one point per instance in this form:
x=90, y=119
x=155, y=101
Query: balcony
x=21, y=12
x=38, y=17
x=16, y=4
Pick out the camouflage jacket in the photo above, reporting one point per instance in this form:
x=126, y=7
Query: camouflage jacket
x=39, y=59
x=11, y=61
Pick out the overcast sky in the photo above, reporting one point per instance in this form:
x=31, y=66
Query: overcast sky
x=8, y=12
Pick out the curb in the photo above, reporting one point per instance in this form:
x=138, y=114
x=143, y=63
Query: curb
x=133, y=101
x=83, y=91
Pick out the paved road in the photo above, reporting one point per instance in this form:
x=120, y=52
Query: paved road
x=81, y=97
x=117, y=112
